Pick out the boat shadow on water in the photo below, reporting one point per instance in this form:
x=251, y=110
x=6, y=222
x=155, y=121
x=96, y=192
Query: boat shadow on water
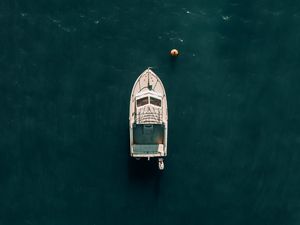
x=145, y=174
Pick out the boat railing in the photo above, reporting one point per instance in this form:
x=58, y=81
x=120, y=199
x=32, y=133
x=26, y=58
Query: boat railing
x=149, y=118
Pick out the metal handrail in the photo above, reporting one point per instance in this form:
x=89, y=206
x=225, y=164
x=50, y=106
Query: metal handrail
x=148, y=118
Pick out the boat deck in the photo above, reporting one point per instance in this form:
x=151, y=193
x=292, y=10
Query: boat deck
x=146, y=134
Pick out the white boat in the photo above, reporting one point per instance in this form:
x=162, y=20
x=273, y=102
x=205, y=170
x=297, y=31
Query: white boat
x=148, y=118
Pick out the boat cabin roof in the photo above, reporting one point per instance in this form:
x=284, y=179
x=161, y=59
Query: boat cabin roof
x=148, y=97
x=147, y=92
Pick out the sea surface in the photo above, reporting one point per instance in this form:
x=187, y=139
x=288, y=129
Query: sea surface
x=66, y=72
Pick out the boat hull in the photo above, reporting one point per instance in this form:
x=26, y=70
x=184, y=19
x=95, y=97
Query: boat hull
x=148, y=125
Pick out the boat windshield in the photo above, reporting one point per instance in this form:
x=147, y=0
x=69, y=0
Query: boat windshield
x=155, y=101
x=142, y=101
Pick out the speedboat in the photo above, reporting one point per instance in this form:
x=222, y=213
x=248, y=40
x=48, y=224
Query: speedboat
x=148, y=118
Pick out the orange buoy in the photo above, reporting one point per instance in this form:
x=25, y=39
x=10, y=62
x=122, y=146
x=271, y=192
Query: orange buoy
x=174, y=52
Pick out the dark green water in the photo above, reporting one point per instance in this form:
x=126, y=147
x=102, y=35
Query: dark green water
x=66, y=72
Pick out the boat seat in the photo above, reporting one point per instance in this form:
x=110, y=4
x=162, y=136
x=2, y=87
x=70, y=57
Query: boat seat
x=148, y=149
